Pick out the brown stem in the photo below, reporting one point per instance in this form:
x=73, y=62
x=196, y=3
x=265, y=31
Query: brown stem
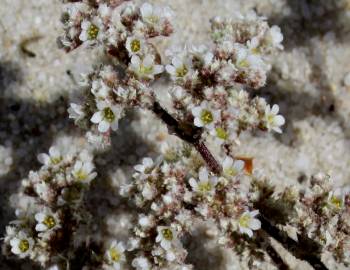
x=193, y=135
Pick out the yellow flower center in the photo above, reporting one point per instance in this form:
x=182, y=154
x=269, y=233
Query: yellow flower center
x=206, y=117
x=270, y=118
x=167, y=234
x=50, y=222
x=135, y=45
x=221, y=133
x=231, y=171
x=153, y=19
x=181, y=71
x=243, y=64
x=92, y=32
x=115, y=254
x=23, y=245
x=336, y=202
x=55, y=160
x=204, y=187
x=244, y=221
x=108, y=114
x=80, y=175
x=146, y=70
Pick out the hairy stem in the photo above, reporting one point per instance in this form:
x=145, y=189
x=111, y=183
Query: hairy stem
x=305, y=249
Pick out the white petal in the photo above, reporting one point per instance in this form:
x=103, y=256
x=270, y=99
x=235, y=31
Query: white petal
x=146, y=10
x=97, y=117
x=198, y=123
x=279, y=120
x=238, y=165
x=196, y=111
x=148, y=162
x=170, y=69
x=275, y=109
x=40, y=217
x=158, y=69
x=40, y=227
x=103, y=126
x=255, y=224
x=254, y=213
x=193, y=183
x=44, y=158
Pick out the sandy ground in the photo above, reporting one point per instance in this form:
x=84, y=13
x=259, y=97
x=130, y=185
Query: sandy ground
x=307, y=81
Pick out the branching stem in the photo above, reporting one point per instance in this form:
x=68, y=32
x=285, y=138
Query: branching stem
x=304, y=249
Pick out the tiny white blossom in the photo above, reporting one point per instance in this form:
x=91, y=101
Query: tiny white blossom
x=154, y=15
x=204, y=116
x=100, y=90
x=84, y=171
x=135, y=45
x=205, y=185
x=232, y=167
x=54, y=157
x=274, y=37
x=146, y=166
x=179, y=68
x=202, y=54
x=141, y=263
x=46, y=220
x=22, y=245
x=76, y=112
x=247, y=222
x=273, y=120
x=336, y=199
x=145, y=68
x=246, y=59
x=107, y=116
x=167, y=236
x=115, y=255
x=91, y=31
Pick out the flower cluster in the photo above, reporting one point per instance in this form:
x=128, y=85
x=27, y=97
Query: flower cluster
x=208, y=82
x=173, y=196
x=319, y=212
x=124, y=31
x=49, y=207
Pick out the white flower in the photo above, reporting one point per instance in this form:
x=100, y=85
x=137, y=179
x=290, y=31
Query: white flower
x=135, y=45
x=76, y=112
x=107, y=116
x=46, y=221
x=336, y=199
x=91, y=31
x=115, y=255
x=167, y=236
x=274, y=37
x=22, y=245
x=202, y=54
x=146, y=166
x=54, y=157
x=247, y=222
x=245, y=59
x=145, y=68
x=100, y=90
x=141, y=263
x=205, y=185
x=273, y=120
x=179, y=68
x=83, y=171
x=153, y=15
x=204, y=116
x=232, y=168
